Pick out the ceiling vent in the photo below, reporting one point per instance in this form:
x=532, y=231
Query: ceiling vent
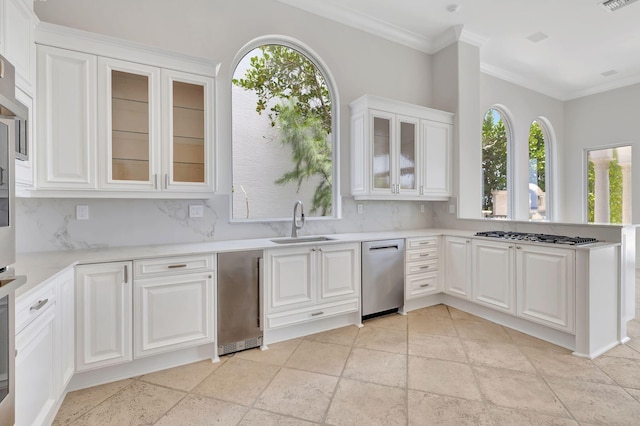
x=613, y=5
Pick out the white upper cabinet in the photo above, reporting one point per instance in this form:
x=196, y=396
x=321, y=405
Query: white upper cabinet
x=399, y=151
x=122, y=120
x=17, y=24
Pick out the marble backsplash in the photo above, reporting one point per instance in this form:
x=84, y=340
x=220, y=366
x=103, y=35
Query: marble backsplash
x=50, y=224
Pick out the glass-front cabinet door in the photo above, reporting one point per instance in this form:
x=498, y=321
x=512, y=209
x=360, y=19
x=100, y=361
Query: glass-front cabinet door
x=407, y=165
x=188, y=132
x=382, y=169
x=128, y=129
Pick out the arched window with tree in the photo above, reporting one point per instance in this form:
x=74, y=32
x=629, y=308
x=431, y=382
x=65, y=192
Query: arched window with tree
x=495, y=165
x=538, y=155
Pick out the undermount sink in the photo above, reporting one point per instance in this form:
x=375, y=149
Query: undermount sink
x=293, y=240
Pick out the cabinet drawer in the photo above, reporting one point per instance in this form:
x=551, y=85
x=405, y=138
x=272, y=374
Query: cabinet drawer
x=316, y=312
x=422, y=267
x=421, y=255
x=172, y=265
x=423, y=242
x=31, y=305
x=422, y=284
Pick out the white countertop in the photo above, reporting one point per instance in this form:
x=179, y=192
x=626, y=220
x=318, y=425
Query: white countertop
x=41, y=266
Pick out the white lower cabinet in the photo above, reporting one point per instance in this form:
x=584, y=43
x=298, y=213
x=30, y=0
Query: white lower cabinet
x=36, y=387
x=422, y=266
x=457, y=271
x=173, y=309
x=546, y=286
x=103, y=315
x=44, y=348
x=309, y=283
x=493, y=275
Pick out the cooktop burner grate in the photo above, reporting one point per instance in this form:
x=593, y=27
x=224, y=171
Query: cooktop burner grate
x=538, y=238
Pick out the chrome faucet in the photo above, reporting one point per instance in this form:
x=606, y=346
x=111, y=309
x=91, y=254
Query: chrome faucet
x=294, y=224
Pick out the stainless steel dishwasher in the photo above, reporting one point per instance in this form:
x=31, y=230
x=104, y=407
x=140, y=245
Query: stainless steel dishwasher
x=382, y=276
x=239, y=291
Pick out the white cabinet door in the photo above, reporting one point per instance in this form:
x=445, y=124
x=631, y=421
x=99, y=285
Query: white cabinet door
x=339, y=270
x=493, y=275
x=457, y=266
x=103, y=315
x=546, y=286
x=66, y=104
x=382, y=159
x=65, y=302
x=173, y=312
x=128, y=125
x=24, y=168
x=19, y=22
x=187, y=132
x=36, y=387
x=435, y=159
x=290, y=276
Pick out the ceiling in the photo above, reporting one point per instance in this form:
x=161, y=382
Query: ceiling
x=584, y=40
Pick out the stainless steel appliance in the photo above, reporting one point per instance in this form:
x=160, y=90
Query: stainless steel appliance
x=537, y=238
x=11, y=114
x=239, y=298
x=382, y=276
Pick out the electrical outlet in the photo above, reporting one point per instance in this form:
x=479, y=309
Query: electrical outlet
x=82, y=212
x=196, y=210
x=421, y=208
x=452, y=208
x=359, y=208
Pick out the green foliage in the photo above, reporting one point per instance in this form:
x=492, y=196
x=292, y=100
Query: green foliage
x=296, y=96
x=537, y=156
x=494, y=157
x=311, y=152
x=591, y=192
x=615, y=191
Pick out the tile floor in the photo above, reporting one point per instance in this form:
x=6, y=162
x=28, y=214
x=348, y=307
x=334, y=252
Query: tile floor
x=436, y=365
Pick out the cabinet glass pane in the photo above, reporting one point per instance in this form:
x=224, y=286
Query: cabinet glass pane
x=130, y=126
x=407, y=155
x=188, y=132
x=381, y=153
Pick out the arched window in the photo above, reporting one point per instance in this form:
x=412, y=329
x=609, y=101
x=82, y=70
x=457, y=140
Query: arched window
x=538, y=178
x=284, y=132
x=496, y=169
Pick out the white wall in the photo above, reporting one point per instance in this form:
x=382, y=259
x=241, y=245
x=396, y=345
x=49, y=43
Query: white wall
x=359, y=62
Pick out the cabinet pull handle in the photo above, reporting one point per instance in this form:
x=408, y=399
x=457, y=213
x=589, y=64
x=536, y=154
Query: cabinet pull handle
x=424, y=285
x=155, y=180
x=518, y=247
x=424, y=255
x=126, y=273
x=424, y=243
x=315, y=314
x=182, y=265
x=39, y=305
x=166, y=181
x=424, y=267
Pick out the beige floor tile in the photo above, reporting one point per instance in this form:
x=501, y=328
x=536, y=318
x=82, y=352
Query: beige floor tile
x=359, y=403
x=277, y=354
x=340, y=336
x=509, y=417
x=499, y=355
x=440, y=347
x=623, y=351
x=432, y=409
x=522, y=339
x=439, y=311
x=633, y=329
x=486, y=331
x=319, y=357
x=298, y=393
x=634, y=393
x=200, y=410
x=442, y=377
x=79, y=402
x=558, y=364
x=518, y=390
x=185, y=377
x=457, y=314
x=237, y=380
x=626, y=372
x=382, y=339
x=378, y=367
x=596, y=402
x=634, y=343
x=265, y=418
x=138, y=404
x=392, y=321
x=439, y=326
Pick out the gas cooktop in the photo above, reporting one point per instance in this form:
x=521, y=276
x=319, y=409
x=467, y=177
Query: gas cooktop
x=538, y=238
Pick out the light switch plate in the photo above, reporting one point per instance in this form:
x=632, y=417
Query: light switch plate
x=196, y=210
x=82, y=212
x=359, y=208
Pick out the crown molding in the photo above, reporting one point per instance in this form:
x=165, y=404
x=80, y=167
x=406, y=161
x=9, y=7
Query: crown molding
x=519, y=80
